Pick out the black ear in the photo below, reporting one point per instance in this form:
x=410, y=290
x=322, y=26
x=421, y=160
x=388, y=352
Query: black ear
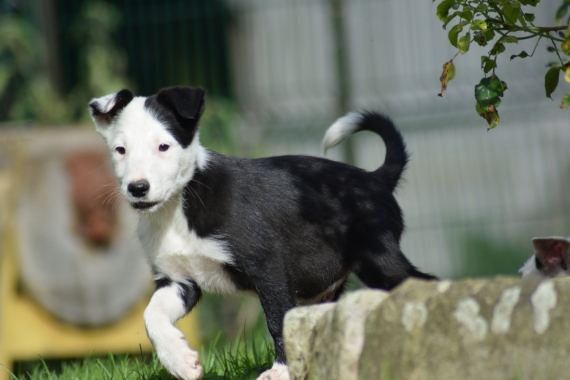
x=104, y=109
x=188, y=103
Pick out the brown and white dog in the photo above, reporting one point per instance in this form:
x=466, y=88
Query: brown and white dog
x=551, y=258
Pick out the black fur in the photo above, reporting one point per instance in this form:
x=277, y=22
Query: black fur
x=538, y=263
x=190, y=293
x=179, y=109
x=295, y=225
x=162, y=282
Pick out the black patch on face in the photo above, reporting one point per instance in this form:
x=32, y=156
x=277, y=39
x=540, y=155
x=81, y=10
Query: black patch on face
x=179, y=109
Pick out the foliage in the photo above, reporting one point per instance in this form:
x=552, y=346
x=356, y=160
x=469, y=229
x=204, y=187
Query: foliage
x=484, y=256
x=25, y=89
x=102, y=64
x=498, y=23
x=217, y=125
x=26, y=92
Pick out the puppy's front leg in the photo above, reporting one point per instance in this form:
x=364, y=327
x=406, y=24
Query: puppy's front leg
x=170, y=302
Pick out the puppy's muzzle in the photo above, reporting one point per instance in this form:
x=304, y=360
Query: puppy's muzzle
x=138, y=189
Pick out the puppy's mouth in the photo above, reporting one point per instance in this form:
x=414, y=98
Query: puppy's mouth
x=143, y=206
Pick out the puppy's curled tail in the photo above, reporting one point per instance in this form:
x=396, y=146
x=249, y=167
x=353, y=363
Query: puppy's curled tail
x=396, y=154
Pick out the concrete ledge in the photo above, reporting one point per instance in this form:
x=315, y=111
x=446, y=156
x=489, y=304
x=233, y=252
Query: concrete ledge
x=497, y=328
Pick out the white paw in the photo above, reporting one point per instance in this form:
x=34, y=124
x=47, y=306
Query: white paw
x=178, y=359
x=277, y=372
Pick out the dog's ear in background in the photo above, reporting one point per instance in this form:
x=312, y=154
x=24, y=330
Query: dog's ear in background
x=104, y=109
x=551, y=258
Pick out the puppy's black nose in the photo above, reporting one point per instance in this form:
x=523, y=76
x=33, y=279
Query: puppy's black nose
x=138, y=189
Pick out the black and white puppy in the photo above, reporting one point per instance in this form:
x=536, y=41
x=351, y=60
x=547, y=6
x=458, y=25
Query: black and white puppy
x=289, y=228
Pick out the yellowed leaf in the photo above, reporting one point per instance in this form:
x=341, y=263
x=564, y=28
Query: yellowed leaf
x=447, y=74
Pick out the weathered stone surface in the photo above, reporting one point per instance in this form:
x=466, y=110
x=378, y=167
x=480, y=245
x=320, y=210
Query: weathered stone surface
x=340, y=337
x=328, y=333
x=299, y=336
x=500, y=328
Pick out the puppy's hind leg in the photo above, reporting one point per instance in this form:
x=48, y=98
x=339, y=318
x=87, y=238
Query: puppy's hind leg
x=276, y=300
x=384, y=266
x=170, y=302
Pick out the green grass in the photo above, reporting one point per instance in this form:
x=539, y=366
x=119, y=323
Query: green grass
x=241, y=359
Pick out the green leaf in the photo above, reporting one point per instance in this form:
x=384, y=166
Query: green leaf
x=509, y=40
x=551, y=80
x=464, y=42
x=466, y=15
x=482, y=8
x=488, y=91
x=454, y=33
x=522, y=20
x=449, y=18
x=565, y=45
x=478, y=25
x=529, y=17
x=497, y=49
x=443, y=9
x=532, y=3
x=479, y=108
x=511, y=13
x=561, y=12
x=488, y=34
x=522, y=54
x=565, y=101
x=489, y=65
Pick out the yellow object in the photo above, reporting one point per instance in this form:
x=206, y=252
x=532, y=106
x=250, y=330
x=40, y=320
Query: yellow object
x=27, y=332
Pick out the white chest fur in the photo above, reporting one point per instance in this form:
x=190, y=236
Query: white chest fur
x=178, y=253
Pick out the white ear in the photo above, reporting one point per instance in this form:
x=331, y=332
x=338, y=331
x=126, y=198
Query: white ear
x=529, y=269
x=104, y=109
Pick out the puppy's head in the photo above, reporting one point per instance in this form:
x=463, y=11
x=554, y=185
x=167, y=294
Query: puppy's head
x=551, y=258
x=153, y=141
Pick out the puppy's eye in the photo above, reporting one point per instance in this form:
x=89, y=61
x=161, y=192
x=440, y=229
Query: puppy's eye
x=121, y=150
x=163, y=147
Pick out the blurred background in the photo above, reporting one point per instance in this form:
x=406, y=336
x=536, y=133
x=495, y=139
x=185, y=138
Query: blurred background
x=278, y=73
